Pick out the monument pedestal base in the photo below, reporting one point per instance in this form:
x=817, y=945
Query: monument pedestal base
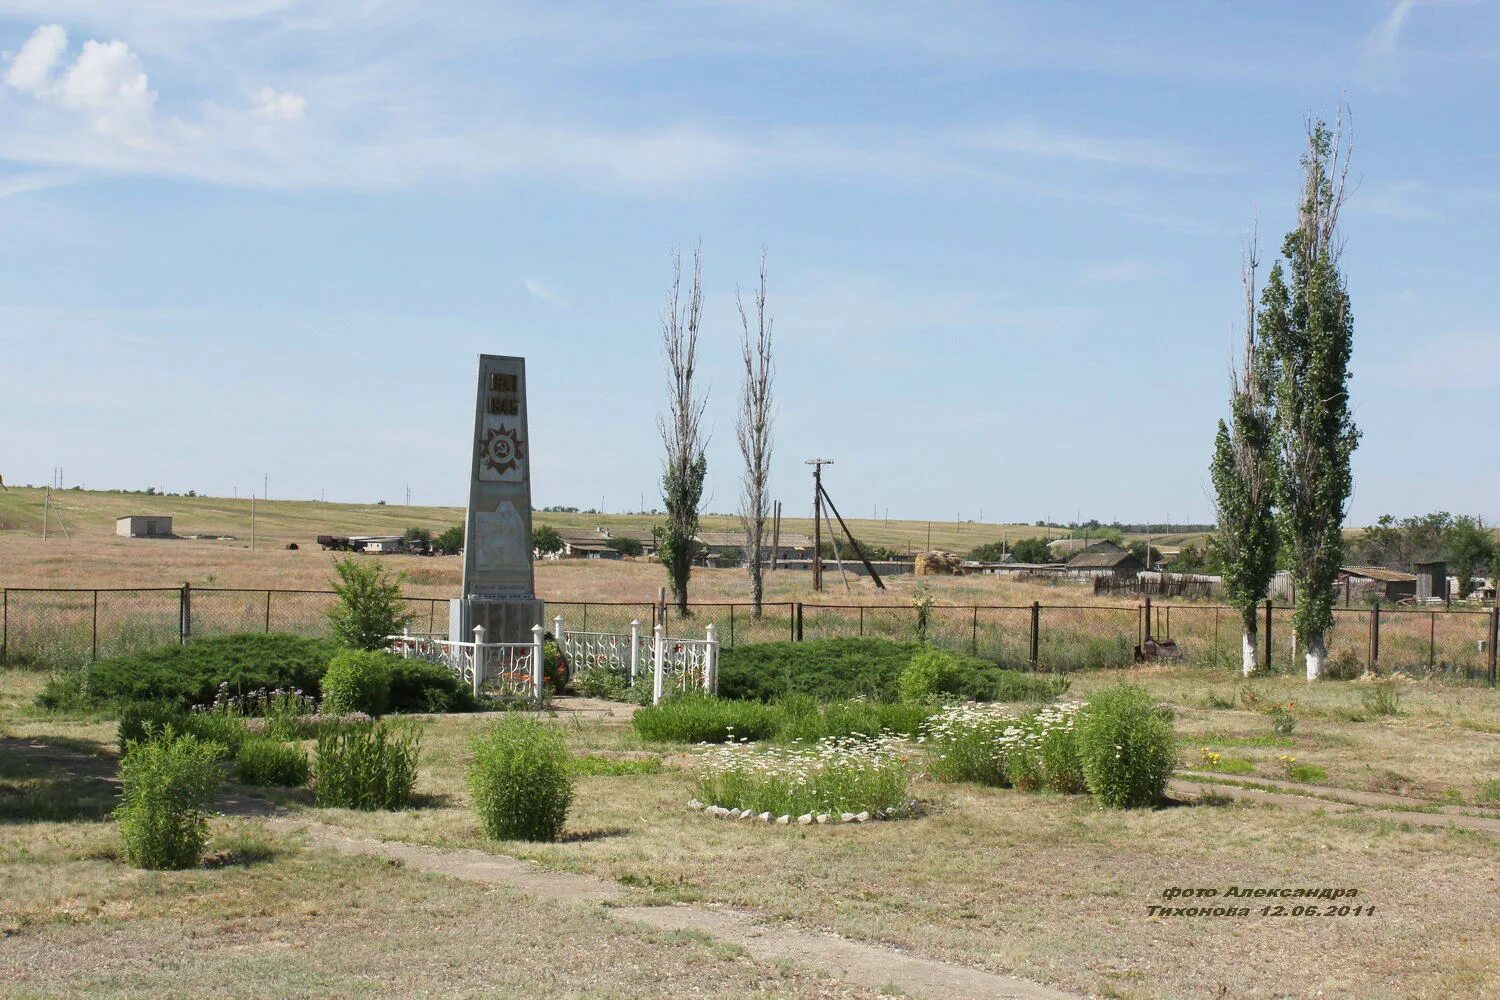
x=504, y=619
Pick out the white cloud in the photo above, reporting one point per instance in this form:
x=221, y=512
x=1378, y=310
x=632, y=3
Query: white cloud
x=278, y=105
x=35, y=180
x=31, y=70
x=537, y=290
x=1385, y=37
x=106, y=83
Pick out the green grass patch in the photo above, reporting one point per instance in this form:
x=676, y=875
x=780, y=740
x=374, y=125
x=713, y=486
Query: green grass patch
x=698, y=718
x=596, y=766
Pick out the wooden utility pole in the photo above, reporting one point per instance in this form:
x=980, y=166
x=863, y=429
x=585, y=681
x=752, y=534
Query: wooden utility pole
x=817, y=555
x=775, y=533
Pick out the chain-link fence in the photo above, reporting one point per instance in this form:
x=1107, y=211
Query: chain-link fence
x=66, y=627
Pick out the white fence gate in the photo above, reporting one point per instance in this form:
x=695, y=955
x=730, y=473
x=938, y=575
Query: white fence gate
x=506, y=667
x=676, y=665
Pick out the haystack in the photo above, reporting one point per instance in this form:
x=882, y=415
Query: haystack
x=937, y=563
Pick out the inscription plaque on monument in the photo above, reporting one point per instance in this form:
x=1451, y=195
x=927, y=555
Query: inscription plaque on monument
x=498, y=584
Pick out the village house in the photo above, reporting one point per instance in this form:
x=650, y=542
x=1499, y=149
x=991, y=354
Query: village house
x=1104, y=563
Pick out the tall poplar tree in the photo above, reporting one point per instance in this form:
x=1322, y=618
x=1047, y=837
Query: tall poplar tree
x=1244, y=472
x=1308, y=332
x=685, y=465
x=753, y=430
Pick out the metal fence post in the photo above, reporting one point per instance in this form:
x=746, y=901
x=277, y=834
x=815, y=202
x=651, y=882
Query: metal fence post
x=1268, y=635
x=4, y=625
x=1494, y=635
x=538, y=663
x=731, y=625
x=1432, y=642
x=1375, y=638
x=268, y=611
x=657, y=655
x=478, y=672
x=1036, y=633
x=791, y=618
x=711, y=667
x=974, y=633
x=185, y=614
x=635, y=647
x=94, y=652
x=861, y=621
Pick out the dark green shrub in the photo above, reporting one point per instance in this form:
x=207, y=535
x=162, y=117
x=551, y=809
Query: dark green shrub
x=167, y=782
x=699, y=718
x=419, y=686
x=840, y=669
x=138, y=721
x=929, y=675
x=554, y=667
x=826, y=669
x=1127, y=747
x=612, y=685
x=270, y=762
x=520, y=780
x=1013, y=686
x=369, y=766
x=370, y=607
x=358, y=681
x=227, y=731
x=67, y=691
x=191, y=674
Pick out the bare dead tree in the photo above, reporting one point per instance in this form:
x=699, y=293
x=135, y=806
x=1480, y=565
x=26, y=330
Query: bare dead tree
x=685, y=465
x=754, y=432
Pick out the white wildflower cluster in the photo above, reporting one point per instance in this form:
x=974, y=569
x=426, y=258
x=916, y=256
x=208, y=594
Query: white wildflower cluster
x=963, y=720
x=1030, y=733
x=993, y=745
x=838, y=774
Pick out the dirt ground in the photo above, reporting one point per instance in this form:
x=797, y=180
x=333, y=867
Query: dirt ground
x=1047, y=888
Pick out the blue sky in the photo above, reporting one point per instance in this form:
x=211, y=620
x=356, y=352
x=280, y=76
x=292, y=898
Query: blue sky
x=269, y=237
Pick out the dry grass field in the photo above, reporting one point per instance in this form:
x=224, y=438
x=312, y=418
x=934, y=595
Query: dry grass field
x=98, y=558
x=1047, y=887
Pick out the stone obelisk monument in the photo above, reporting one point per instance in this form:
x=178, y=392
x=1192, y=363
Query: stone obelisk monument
x=498, y=585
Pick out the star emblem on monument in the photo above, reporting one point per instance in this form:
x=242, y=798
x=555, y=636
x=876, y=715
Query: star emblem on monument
x=502, y=449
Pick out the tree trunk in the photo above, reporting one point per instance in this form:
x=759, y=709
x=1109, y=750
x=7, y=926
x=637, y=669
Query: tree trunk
x=1249, y=644
x=1317, y=656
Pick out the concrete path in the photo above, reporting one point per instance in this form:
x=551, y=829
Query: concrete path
x=850, y=961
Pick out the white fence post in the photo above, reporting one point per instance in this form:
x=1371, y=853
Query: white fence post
x=657, y=657
x=538, y=663
x=635, y=647
x=478, y=658
x=711, y=663
x=562, y=647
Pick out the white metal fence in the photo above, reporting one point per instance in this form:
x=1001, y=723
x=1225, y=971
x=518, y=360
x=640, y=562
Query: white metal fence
x=676, y=665
x=513, y=668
